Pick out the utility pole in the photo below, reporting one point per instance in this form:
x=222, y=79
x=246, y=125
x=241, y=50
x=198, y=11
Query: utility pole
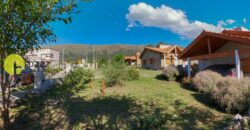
x=109, y=60
x=96, y=65
x=86, y=57
x=63, y=58
x=93, y=55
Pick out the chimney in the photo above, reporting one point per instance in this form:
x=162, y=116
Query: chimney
x=162, y=45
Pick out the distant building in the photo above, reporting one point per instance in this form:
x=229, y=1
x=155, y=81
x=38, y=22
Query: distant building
x=133, y=60
x=161, y=56
x=48, y=56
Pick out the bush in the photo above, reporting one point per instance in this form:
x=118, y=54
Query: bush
x=114, y=74
x=206, y=81
x=233, y=94
x=133, y=74
x=52, y=71
x=171, y=73
x=118, y=58
x=79, y=76
x=151, y=121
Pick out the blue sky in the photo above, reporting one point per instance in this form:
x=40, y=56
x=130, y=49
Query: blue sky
x=150, y=21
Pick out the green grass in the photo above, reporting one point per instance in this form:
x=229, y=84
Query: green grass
x=147, y=103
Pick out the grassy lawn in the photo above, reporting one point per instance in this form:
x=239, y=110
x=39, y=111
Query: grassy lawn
x=142, y=104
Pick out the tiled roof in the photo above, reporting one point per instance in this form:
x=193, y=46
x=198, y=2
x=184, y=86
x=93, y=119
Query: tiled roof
x=237, y=33
x=162, y=50
x=218, y=40
x=130, y=58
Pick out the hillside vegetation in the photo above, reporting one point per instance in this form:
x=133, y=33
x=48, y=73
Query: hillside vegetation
x=78, y=51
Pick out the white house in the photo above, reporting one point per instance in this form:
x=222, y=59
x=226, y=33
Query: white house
x=161, y=56
x=48, y=56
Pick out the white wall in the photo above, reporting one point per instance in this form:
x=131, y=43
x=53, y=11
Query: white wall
x=203, y=64
x=151, y=54
x=49, y=55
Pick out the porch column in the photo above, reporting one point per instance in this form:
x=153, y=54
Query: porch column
x=164, y=60
x=237, y=63
x=176, y=58
x=176, y=61
x=189, y=68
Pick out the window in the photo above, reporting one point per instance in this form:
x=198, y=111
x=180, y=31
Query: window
x=145, y=62
x=152, y=61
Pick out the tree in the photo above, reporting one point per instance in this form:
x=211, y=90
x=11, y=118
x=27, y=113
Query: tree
x=25, y=25
x=118, y=58
x=102, y=62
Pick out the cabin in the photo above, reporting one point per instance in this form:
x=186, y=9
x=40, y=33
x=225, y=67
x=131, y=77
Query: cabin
x=228, y=48
x=133, y=60
x=161, y=56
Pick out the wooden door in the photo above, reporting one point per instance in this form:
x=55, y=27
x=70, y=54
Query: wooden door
x=245, y=65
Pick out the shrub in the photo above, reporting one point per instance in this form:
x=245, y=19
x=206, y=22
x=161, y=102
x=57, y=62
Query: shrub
x=52, y=71
x=114, y=74
x=206, y=81
x=79, y=76
x=133, y=74
x=151, y=121
x=171, y=73
x=233, y=94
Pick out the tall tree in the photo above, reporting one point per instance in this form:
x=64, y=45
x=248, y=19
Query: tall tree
x=25, y=25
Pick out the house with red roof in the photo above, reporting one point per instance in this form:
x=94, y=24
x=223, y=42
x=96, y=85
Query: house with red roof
x=161, y=56
x=133, y=60
x=221, y=50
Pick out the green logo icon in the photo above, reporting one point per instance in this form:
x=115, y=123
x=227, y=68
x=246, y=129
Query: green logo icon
x=14, y=63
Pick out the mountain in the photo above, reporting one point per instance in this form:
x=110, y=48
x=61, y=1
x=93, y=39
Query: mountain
x=78, y=51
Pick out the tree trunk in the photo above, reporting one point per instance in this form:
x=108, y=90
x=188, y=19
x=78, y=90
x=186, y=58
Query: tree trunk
x=6, y=119
x=5, y=95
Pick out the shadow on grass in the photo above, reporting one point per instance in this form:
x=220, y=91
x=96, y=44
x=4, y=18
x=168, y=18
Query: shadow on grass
x=203, y=98
x=188, y=86
x=164, y=78
x=191, y=117
x=160, y=77
x=61, y=109
x=206, y=100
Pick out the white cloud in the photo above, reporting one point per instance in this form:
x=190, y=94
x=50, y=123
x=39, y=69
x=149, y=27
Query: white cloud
x=230, y=21
x=168, y=18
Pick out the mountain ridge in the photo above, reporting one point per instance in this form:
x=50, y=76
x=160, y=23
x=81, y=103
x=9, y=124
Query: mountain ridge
x=79, y=51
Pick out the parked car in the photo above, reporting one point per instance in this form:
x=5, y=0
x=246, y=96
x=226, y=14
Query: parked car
x=25, y=78
x=224, y=70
